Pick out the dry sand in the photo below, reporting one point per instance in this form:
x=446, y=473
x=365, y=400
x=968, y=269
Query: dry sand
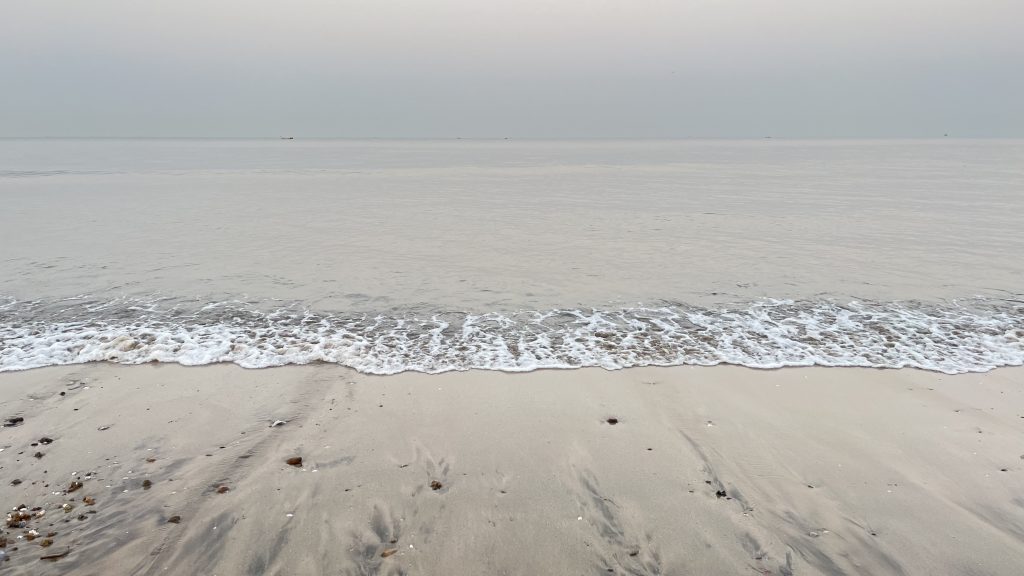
x=707, y=471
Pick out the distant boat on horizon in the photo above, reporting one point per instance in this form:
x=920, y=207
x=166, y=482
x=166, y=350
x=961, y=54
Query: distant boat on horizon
x=287, y=138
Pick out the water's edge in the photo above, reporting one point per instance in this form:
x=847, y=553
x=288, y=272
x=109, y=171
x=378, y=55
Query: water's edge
x=967, y=335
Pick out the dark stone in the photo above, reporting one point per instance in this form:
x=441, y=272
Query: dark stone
x=56, y=555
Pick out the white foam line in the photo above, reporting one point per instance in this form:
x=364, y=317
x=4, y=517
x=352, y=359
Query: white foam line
x=971, y=335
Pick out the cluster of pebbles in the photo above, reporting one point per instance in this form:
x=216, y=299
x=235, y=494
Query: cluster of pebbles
x=32, y=528
x=28, y=530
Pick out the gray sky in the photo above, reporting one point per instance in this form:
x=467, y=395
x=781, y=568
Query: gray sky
x=522, y=68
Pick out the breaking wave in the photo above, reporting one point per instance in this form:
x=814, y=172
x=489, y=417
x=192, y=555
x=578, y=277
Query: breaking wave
x=969, y=335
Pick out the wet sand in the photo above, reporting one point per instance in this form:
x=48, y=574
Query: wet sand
x=705, y=471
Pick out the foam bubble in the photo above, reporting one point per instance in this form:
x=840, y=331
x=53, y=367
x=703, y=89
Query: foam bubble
x=971, y=335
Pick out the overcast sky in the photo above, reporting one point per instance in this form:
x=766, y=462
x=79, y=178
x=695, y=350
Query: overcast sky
x=518, y=68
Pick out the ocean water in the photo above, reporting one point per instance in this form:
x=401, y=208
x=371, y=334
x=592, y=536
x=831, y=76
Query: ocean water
x=392, y=255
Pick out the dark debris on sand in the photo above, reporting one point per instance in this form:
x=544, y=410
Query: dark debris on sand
x=27, y=520
x=56, y=555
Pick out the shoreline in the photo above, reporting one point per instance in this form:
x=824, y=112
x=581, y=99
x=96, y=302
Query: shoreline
x=961, y=336
x=413, y=371
x=722, y=469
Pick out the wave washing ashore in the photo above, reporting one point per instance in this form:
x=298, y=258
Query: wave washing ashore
x=971, y=335
x=434, y=256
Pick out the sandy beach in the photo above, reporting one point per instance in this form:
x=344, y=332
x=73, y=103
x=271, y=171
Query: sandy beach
x=720, y=470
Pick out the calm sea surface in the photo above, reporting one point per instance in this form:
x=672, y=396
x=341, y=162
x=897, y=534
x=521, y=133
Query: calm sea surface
x=393, y=255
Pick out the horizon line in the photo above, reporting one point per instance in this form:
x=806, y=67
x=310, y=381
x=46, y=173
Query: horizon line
x=300, y=137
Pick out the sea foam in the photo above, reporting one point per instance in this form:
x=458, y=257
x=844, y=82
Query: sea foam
x=969, y=335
